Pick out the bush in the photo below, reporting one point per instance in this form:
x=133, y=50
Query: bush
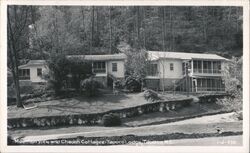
x=111, y=120
x=133, y=84
x=151, y=95
x=118, y=84
x=239, y=115
x=10, y=140
x=91, y=87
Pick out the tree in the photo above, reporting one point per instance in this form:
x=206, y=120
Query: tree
x=138, y=26
x=232, y=74
x=163, y=29
x=79, y=71
x=232, y=77
x=110, y=30
x=99, y=29
x=92, y=28
x=18, y=21
x=136, y=68
x=59, y=68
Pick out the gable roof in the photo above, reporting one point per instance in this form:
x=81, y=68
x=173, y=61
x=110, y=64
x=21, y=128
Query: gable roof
x=33, y=63
x=120, y=56
x=155, y=55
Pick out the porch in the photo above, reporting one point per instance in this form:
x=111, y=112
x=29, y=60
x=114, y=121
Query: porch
x=207, y=84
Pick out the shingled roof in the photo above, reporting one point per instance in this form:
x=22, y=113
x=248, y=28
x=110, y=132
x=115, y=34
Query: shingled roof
x=33, y=63
x=155, y=55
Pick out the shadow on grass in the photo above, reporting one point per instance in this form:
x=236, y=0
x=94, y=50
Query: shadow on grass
x=103, y=98
x=81, y=103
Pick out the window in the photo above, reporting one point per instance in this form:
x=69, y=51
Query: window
x=114, y=67
x=216, y=67
x=39, y=72
x=152, y=70
x=209, y=70
x=171, y=66
x=195, y=66
x=219, y=66
x=99, y=67
x=24, y=74
x=205, y=67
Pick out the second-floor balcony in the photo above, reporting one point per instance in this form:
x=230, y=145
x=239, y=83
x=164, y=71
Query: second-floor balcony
x=207, y=71
x=200, y=67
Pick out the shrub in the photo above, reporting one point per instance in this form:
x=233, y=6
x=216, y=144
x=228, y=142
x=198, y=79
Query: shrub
x=233, y=102
x=10, y=140
x=111, y=120
x=91, y=87
x=150, y=95
x=133, y=84
x=118, y=84
x=239, y=115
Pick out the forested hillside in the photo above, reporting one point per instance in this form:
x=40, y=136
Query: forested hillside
x=105, y=29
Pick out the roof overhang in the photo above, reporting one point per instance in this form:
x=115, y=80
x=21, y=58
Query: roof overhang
x=113, y=57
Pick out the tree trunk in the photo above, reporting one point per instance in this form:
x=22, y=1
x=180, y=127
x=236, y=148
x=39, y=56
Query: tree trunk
x=13, y=59
x=171, y=29
x=110, y=31
x=204, y=21
x=163, y=29
x=97, y=27
x=144, y=31
x=92, y=29
x=15, y=74
x=138, y=26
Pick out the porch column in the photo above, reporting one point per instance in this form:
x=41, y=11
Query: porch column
x=201, y=66
x=106, y=67
x=192, y=67
x=201, y=87
x=92, y=66
x=212, y=66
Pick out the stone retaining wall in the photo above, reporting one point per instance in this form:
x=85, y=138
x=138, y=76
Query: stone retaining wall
x=211, y=98
x=96, y=118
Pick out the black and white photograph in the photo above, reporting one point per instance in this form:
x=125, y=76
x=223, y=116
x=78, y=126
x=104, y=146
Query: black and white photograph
x=125, y=75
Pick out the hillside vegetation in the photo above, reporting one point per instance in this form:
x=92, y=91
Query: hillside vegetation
x=104, y=29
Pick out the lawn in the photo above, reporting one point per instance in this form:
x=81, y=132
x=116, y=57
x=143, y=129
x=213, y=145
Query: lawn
x=78, y=105
x=83, y=105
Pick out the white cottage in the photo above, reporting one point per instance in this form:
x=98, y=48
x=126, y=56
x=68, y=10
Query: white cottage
x=106, y=68
x=33, y=71
x=169, y=70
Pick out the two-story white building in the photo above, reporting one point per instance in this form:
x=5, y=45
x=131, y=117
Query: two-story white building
x=169, y=70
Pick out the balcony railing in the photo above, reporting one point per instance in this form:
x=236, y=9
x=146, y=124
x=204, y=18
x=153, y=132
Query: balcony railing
x=207, y=71
x=209, y=89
